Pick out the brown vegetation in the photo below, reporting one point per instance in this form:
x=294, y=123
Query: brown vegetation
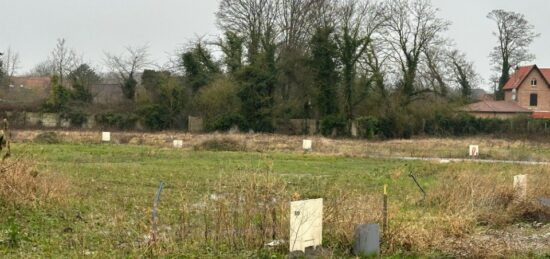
x=22, y=184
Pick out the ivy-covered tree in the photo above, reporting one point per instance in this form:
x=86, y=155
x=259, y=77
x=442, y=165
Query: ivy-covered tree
x=167, y=100
x=324, y=53
x=82, y=78
x=59, y=97
x=126, y=66
x=257, y=83
x=232, y=48
x=199, y=66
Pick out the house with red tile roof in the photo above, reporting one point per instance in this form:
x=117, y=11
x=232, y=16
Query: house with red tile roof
x=526, y=92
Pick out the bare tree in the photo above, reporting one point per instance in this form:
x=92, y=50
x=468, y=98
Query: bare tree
x=254, y=20
x=11, y=63
x=295, y=21
x=412, y=28
x=463, y=74
x=323, y=13
x=435, y=69
x=44, y=68
x=126, y=65
x=63, y=60
x=514, y=34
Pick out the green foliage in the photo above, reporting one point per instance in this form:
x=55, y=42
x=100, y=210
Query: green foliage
x=47, y=138
x=225, y=122
x=351, y=46
x=223, y=144
x=232, y=47
x=152, y=80
x=58, y=99
x=257, y=84
x=121, y=121
x=167, y=100
x=129, y=87
x=82, y=79
x=81, y=93
x=155, y=117
x=367, y=126
x=333, y=125
x=217, y=101
x=76, y=117
x=199, y=66
x=324, y=52
x=13, y=233
x=256, y=98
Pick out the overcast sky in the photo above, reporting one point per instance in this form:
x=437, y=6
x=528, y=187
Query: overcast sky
x=93, y=27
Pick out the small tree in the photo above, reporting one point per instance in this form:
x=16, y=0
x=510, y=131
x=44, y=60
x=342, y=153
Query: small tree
x=167, y=100
x=126, y=65
x=82, y=79
x=199, y=66
x=218, y=99
x=63, y=60
x=59, y=97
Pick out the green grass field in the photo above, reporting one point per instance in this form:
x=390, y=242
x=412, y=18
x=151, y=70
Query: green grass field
x=105, y=209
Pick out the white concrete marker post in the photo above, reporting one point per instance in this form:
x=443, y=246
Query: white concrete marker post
x=306, y=224
x=307, y=144
x=178, y=143
x=106, y=136
x=520, y=185
x=474, y=151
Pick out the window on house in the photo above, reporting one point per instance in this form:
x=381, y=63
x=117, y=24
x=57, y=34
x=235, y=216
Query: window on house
x=533, y=100
x=533, y=82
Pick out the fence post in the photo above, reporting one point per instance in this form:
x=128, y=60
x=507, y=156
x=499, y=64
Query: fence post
x=385, y=212
x=154, y=216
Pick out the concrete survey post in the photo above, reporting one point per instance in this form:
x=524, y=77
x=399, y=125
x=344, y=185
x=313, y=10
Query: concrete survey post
x=106, y=136
x=307, y=144
x=367, y=240
x=474, y=151
x=178, y=143
x=520, y=186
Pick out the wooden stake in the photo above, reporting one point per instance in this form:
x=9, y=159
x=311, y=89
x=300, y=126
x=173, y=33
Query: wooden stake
x=385, y=212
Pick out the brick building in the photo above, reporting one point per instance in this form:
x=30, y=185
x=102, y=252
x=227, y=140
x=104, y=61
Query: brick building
x=526, y=92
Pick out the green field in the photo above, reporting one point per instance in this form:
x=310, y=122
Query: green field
x=105, y=208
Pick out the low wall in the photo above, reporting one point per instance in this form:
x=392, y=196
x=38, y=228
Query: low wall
x=21, y=119
x=37, y=120
x=195, y=124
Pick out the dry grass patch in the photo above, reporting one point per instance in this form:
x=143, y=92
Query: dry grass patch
x=220, y=144
x=22, y=184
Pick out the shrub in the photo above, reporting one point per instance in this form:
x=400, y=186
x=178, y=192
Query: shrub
x=333, y=124
x=225, y=122
x=22, y=184
x=77, y=118
x=121, y=121
x=47, y=138
x=155, y=117
x=367, y=126
x=58, y=99
x=222, y=144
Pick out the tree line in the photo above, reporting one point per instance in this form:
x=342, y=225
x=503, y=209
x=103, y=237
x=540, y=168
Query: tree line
x=337, y=61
